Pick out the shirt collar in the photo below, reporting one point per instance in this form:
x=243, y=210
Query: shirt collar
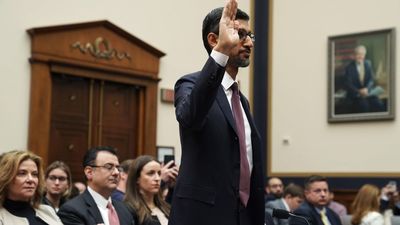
x=320, y=209
x=286, y=205
x=99, y=199
x=227, y=81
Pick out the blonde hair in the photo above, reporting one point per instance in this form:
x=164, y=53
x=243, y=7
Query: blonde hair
x=9, y=165
x=367, y=200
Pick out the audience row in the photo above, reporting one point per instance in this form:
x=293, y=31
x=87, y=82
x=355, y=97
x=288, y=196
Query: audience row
x=291, y=205
x=130, y=193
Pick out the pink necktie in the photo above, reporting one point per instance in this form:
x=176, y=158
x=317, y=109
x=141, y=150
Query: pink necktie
x=112, y=215
x=244, y=185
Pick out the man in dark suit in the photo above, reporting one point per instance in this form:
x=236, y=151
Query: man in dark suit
x=362, y=92
x=315, y=208
x=94, y=206
x=210, y=189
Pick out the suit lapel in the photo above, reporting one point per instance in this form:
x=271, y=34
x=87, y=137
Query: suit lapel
x=92, y=207
x=281, y=204
x=227, y=111
x=247, y=111
x=225, y=107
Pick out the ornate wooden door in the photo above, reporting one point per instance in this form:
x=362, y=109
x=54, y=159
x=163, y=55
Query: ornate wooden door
x=86, y=113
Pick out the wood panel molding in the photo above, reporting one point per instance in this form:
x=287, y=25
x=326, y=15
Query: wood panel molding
x=98, y=50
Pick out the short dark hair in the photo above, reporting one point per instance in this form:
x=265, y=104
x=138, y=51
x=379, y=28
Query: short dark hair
x=313, y=178
x=126, y=164
x=211, y=23
x=91, y=154
x=293, y=190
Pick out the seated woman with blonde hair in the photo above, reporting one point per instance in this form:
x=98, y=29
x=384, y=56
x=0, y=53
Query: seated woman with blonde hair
x=21, y=182
x=365, y=208
x=143, y=195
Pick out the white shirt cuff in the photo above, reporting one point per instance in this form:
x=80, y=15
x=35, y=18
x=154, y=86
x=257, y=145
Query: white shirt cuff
x=219, y=58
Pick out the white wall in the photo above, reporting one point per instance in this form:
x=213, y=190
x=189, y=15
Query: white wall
x=174, y=27
x=299, y=90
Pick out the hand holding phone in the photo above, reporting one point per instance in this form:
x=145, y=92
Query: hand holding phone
x=168, y=158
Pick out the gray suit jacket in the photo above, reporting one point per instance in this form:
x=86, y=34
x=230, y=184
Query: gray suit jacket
x=276, y=204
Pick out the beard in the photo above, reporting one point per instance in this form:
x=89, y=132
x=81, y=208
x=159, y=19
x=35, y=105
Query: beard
x=277, y=195
x=238, y=62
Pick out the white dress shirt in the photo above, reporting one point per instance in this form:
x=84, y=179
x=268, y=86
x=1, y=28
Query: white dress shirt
x=101, y=203
x=226, y=83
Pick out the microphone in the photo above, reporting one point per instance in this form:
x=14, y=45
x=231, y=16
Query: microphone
x=283, y=214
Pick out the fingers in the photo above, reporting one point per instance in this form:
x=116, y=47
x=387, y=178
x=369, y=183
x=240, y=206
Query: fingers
x=230, y=9
x=169, y=164
x=228, y=36
x=169, y=172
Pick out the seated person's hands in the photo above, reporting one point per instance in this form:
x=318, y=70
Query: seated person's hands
x=169, y=172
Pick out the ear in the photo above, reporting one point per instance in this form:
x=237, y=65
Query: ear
x=212, y=40
x=88, y=172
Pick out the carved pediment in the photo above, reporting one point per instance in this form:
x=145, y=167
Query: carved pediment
x=95, y=43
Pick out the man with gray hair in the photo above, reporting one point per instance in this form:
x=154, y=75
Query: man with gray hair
x=362, y=92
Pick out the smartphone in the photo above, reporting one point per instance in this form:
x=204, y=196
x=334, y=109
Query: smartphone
x=168, y=158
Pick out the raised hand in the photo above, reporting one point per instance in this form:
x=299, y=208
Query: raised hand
x=228, y=29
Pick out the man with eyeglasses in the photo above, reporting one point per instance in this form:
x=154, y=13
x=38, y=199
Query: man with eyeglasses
x=94, y=206
x=220, y=178
x=58, y=184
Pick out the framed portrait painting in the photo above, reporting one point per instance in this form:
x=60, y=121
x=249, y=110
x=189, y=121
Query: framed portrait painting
x=361, y=76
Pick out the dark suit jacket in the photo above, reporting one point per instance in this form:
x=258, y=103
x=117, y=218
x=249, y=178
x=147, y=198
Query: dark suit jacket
x=83, y=210
x=307, y=210
x=207, y=188
x=352, y=79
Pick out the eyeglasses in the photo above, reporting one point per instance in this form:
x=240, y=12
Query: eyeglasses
x=59, y=178
x=110, y=167
x=243, y=34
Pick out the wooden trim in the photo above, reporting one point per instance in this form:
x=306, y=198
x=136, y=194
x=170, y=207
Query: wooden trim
x=101, y=23
x=46, y=60
x=40, y=109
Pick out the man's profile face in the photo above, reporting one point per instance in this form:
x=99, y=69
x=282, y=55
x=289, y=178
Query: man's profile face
x=240, y=56
x=294, y=202
x=318, y=193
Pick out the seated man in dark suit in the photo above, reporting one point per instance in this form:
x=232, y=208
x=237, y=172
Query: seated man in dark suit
x=315, y=207
x=94, y=206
